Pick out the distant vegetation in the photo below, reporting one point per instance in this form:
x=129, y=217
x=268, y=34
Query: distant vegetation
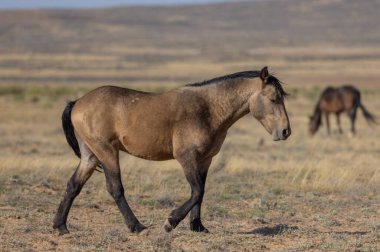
x=208, y=28
x=320, y=41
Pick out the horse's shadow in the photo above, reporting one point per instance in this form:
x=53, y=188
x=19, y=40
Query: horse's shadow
x=271, y=231
x=280, y=229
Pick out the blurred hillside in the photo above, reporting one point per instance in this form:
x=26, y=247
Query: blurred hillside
x=314, y=41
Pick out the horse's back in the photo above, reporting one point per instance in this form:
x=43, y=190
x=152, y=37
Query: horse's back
x=142, y=124
x=351, y=96
x=336, y=100
x=125, y=119
x=100, y=107
x=329, y=101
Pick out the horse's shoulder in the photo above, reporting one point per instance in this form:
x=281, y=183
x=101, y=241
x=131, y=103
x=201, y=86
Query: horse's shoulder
x=188, y=94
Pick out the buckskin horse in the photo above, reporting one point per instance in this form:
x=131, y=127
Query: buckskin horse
x=188, y=124
x=336, y=101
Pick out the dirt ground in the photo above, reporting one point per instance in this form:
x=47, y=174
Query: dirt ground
x=306, y=193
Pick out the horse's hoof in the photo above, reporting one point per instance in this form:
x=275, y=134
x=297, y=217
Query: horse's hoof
x=144, y=232
x=198, y=227
x=167, y=226
x=204, y=230
x=63, y=232
x=62, y=229
x=137, y=228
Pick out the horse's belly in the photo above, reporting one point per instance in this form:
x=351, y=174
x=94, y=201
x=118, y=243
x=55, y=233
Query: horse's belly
x=148, y=147
x=331, y=107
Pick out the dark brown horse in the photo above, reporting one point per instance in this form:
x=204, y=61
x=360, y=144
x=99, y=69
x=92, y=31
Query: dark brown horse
x=336, y=101
x=188, y=124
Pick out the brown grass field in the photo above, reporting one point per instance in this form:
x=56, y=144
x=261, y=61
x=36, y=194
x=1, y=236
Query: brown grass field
x=305, y=194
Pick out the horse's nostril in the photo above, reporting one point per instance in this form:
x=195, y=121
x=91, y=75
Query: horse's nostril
x=285, y=132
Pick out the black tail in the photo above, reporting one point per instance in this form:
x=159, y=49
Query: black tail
x=68, y=128
x=368, y=116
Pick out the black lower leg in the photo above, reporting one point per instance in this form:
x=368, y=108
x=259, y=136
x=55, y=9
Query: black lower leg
x=195, y=214
x=338, y=122
x=115, y=188
x=352, y=116
x=73, y=189
x=195, y=173
x=196, y=182
x=178, y=214
x=195, y=220
x=327, y=123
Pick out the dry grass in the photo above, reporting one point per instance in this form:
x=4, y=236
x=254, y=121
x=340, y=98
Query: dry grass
x=315, y=193
x=296, y=65
x=307, y=193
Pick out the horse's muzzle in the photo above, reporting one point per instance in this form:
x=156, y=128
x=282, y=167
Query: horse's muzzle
x=281, y=134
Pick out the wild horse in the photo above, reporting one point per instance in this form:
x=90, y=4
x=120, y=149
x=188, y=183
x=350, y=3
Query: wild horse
x=188, y=124
x=337, y=101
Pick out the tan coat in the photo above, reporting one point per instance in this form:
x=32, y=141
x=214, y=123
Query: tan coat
x=188, y=124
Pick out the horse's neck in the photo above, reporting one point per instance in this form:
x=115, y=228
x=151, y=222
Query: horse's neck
x=228, y=102
x=317, y=109
x=317, y=114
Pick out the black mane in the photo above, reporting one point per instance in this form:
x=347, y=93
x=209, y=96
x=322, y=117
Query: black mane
x=246, y=74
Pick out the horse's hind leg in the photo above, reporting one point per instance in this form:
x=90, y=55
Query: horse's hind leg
x=110, y=163
x=84, y=171
x=352, y=116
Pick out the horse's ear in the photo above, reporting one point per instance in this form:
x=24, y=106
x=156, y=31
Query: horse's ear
x=264, y=74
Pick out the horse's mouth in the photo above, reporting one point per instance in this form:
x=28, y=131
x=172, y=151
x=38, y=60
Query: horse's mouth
x=277, y=137
x=280, y=139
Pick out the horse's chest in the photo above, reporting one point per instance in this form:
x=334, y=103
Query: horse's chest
x=215, y=144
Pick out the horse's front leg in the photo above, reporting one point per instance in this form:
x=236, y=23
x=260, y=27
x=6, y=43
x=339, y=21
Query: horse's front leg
x=195, y=214
x=338, y=122
x=327, y=123
x=196, y=176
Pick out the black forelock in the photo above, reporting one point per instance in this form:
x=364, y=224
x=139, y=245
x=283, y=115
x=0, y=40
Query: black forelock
x=272, y=80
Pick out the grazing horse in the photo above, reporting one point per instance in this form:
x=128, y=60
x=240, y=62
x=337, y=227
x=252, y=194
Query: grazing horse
x=338, y=100
x=188, y=124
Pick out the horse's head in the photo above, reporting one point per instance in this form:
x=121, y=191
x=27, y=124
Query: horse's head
x=314, y=123
x=267, y=106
